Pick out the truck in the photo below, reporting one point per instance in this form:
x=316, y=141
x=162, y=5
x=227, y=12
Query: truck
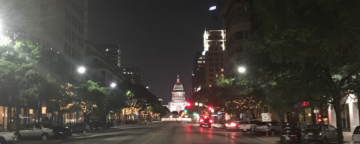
x=248, y=126
x=6, y=137
x=35, y=131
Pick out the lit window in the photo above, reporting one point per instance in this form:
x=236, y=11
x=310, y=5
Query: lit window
x=222, y=70
x=199, y=62
x=217, y=75
x=107, y=50
x=222, y=75
x=209, y=85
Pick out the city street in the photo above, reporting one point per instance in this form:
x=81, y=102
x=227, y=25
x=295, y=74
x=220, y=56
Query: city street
x=164, y=133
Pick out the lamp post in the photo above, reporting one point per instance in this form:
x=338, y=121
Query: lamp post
x=113, y=85
x=81, y=70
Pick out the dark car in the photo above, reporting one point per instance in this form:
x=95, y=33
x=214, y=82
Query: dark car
x=320, y=133
x=97, y=125
x=290, y=132
x=79, y=127
x=62, y=132
x=206, y=121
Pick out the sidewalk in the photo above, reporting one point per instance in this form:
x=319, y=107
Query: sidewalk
x=276, y=139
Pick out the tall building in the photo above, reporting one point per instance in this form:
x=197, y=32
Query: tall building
x=215, y=59
x=132, y=73
x=112, y=52
x=59, y=25
x=198, y=75
x=239, y=28
x=100, y=69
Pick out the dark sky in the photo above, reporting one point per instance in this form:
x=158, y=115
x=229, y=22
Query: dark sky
x=160, y=37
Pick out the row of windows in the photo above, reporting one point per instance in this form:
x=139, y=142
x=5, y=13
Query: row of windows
x=212, y=70
x=238, y=12
x=211, y=64
x=211, y=54
x=210, y=59
x=71, y=35
x=215, y=43
x=76, y=23
x=201, y=62
x=215, y=48
x=215, y=37
x=73, y=53
x=77, y=8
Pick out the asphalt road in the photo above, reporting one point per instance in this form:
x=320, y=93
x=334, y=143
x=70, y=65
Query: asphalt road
x=163, y=133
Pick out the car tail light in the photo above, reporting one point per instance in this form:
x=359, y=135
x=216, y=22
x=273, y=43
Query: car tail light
x=293, y=135
x=210, y=121
x=233, y=124
x=319, y=133
x=227, y=124
x=201, y=120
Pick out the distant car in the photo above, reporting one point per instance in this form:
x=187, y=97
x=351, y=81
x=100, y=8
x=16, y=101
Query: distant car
x=97, y=125
x=290, y=132
x=248, y=126
x=356, y=135
x=62, y=132
x=320, y=133
x=271, y=127
x=206, y=121
x=232, y=125
x=79, y=127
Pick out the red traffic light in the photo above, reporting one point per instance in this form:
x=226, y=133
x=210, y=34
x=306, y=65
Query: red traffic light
x=319, y=120
x=188, y=104
x=209, y=108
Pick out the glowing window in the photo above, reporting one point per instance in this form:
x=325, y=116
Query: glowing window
x=209, y=85
x=222, y=70
x=222, y=75
x=217, y=75
x=107, y=50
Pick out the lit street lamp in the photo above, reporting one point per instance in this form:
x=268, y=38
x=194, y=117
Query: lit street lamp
x=241, y=69
x=113, y=85
x=212, y=8
x=81, y=70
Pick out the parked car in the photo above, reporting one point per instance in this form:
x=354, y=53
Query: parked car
x=8, y=137
x=232, y=125
x=62, y=132
x=271, y=127
x=206, y=121
x=248, y=126
x=97, y=125
x=34, y=131
x=320, y=133
x=290, y=132
x=356, y=135
x=79, y=127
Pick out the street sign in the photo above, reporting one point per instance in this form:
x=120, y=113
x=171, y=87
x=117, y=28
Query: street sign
x=266, y=117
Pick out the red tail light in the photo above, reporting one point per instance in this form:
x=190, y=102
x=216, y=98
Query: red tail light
x=201, y=120
x=233, y=124
x=293, y=135
x=211, y=121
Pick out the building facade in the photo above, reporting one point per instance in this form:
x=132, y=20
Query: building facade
x=178, y=102
x=215, y=59
x=239, y=28
x=198, y=75
x=112, y=52
x=132, y=73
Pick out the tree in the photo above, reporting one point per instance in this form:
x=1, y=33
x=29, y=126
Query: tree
x=318, y=37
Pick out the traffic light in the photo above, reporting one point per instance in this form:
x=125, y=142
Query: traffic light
x=188, y=104
x=209, y=108
x=319, y=120
x=185, y=111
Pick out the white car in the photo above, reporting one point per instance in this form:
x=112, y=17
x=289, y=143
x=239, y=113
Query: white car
x=248, y=126
x=356, y=135
x=35, y=130
x=6, y=137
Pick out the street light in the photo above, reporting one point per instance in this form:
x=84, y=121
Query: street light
x=81, y=70
x=113, y=85
x=212, y=8
x=241, y=69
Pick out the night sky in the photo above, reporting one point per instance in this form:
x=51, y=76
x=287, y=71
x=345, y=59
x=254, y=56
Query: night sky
x=160, y=37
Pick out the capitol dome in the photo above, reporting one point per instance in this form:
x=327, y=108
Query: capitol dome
x=178, y=86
